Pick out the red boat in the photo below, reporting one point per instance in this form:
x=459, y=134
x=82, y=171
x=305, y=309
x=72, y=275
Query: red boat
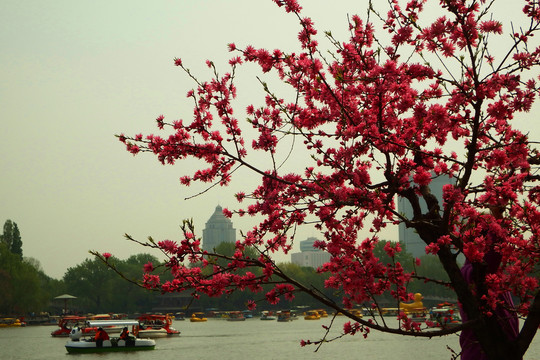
x=151, y=326
x=66, y=324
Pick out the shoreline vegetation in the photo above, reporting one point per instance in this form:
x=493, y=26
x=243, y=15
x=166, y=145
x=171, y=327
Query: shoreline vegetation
x=30, y=292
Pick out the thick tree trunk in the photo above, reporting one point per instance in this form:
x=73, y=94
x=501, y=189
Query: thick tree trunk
x=530, y=327
x=487, y=329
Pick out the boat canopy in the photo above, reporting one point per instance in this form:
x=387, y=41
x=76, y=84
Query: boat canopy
x=153, y=317
x=103, y=323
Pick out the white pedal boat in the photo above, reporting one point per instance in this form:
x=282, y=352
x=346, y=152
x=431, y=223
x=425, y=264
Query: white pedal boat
x=80, y=344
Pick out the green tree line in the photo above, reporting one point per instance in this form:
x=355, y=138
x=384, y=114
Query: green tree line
x=433, y=292
x=27, y=289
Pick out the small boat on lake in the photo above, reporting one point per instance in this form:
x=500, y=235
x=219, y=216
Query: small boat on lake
x=11, y=322
x=418, y=315
x=198, y=317
x=284, y=316
x=236, y=316
x=312, y=315
x=66, y=324
x=444, y=316
x=415, y=306
x=415, y=310
x=389, y=311
x=154, y=326
x=78, y=343
x=268, y=315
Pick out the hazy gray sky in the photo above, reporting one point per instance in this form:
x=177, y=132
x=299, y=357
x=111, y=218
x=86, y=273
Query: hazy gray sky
x=75, y=73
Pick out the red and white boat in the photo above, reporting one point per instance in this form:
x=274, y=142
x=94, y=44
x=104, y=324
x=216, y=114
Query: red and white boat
x=154, y=326
x=66, y=324
x=81, y=343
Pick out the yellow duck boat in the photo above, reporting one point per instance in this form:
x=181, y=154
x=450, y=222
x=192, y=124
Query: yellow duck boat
x=417, y=306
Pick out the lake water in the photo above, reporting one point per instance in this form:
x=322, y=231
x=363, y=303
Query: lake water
x=250, y=339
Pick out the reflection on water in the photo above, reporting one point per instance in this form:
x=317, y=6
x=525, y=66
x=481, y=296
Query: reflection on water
x=253, y=339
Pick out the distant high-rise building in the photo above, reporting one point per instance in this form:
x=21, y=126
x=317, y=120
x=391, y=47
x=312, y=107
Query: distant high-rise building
x=218, y=229
x=408, y=236
x=310, y=256
x=307, y=245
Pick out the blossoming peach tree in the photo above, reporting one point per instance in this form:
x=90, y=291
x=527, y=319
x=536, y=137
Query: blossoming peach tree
x=379, y=120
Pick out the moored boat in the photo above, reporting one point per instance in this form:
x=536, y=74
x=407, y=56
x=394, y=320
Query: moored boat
x=78, y=343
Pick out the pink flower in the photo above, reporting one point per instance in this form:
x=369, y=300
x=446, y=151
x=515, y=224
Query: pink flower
x=444, y=240
x=185, y=180
x=168, y=246
x=290, y=5
x=392, y=248
x=159, y=121
x=351, y=329
x=491, y=26
x=432, y=248
x=240, y=196
x=422, y=177
x=132, y=148
x=148, y=267
x=235, y=60
x=106, y=255
x=251, y=305
x=272, y=297
x=227, y=213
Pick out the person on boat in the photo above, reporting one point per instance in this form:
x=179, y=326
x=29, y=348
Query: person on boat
x=126, y=337
x=125, y=334
x=506, y=316
x=101, y=335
